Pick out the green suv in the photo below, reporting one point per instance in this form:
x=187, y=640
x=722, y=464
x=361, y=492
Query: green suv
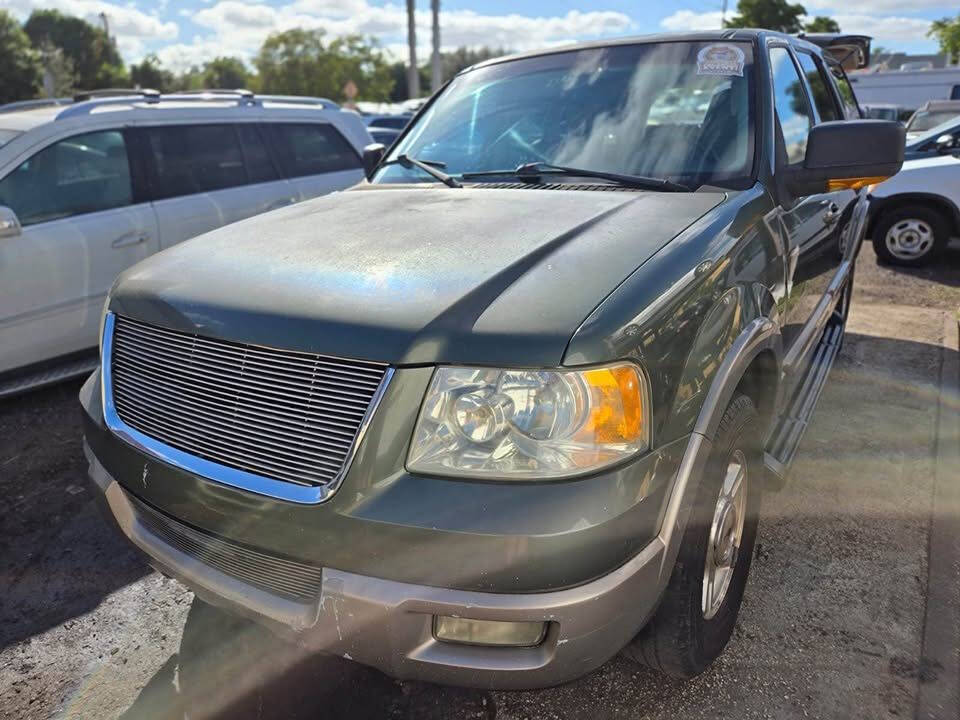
x=509, y=407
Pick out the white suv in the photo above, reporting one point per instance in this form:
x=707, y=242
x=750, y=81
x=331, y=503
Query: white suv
x=89, y=189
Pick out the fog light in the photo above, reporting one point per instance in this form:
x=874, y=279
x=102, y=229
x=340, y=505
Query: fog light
x=488, y=632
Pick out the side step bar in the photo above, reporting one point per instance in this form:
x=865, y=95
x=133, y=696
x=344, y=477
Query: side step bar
x=786, y=438
x=48, y=375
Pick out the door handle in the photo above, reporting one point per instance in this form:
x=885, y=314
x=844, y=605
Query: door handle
x=832, y=214
x=131, y=238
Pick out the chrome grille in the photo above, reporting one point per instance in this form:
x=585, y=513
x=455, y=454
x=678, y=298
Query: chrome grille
x=268, y=572
x=280, y=414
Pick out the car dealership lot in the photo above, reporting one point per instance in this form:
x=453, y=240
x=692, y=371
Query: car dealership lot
x=833, y=619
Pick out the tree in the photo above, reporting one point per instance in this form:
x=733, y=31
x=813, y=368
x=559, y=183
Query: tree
x=768, y=14
x=225, y=73
x=96, y=60
x=464, y=57
x=297, y=62
x=59, y=77
x=150, y=74
x=821, y=24
x=947, y=33
x=20, y=78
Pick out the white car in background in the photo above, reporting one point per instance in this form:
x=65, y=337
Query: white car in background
x=914, y=214
x=91, y=188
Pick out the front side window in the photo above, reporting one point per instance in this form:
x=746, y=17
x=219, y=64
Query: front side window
x=681, y=111
x=187, y=159
x=822, y=96
x=80, y=174
x=790, y=101
x=311, y=149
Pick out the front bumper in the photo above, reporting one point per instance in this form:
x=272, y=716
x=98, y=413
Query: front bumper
x=388, y=624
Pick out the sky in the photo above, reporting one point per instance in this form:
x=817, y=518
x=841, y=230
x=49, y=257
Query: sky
x=189, y=32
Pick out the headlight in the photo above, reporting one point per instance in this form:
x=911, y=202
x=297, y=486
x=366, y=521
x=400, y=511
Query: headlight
x=530, y=424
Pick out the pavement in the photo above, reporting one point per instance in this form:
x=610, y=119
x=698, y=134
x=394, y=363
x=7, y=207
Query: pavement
x=851, y=611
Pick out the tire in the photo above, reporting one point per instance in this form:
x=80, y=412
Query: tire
x=681, y=640
x=910, y=235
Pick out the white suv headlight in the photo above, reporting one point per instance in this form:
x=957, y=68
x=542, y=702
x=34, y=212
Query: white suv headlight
x=530, y=424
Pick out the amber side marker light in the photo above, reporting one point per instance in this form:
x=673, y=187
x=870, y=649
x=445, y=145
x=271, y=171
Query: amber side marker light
x=488, y=632
x=854, y=183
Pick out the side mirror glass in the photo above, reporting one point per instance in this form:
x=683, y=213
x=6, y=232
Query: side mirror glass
x=372, y=155
x=848, y=154
x=9, y=223
x=945, y=143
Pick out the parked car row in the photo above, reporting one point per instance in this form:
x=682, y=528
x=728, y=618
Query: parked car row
x=90, y=189
x=510, y=406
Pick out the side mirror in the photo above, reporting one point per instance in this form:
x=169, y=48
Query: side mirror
x=9, y=223
x=945, y=143
x=848, y=154
x=372, y=155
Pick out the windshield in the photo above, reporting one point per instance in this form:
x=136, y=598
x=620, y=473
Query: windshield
x=675, y=110
x=7, y=135
x=925, y=119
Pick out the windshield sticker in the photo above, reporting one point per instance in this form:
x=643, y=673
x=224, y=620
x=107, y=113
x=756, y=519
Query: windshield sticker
x=720, y=60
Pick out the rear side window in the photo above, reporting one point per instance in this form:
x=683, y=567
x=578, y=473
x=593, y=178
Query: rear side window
x=311, y=149
x=847, y=96
x=77, y=175
x=187, y=159
x=790, y=100
x=822, y=96
x=260, y=167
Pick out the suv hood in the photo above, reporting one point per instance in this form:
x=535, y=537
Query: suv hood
x=412, y=275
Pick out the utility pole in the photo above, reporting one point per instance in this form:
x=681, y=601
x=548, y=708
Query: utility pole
x=413, y=72
x=106, y=25
x=723, y=14
x=436, y=72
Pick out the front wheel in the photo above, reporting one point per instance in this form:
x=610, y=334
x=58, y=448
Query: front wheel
x=699, y=608
x=911, y=235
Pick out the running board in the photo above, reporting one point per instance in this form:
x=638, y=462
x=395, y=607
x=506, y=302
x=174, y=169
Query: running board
x=31, y=380
x=786, y=437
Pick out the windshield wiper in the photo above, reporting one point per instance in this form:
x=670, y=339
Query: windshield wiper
x=430, y=167
x=534, y=170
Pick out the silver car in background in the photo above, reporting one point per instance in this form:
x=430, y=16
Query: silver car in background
x=91, y=188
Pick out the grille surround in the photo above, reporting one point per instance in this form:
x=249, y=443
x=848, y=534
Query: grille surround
x=280, y=423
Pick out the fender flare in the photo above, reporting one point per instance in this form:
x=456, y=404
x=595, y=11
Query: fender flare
x=759, y=335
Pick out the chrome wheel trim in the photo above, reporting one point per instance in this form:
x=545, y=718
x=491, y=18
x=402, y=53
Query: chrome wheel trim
x=909, y=239
x=726, y=535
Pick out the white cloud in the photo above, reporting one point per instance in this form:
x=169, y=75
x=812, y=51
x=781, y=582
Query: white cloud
x=885, y=30
x=128, y=24
x=239, y=28
x=689, y=20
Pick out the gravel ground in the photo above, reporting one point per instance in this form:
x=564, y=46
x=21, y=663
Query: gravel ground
x=830, y=628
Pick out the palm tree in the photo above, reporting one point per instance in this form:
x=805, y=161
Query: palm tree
x=413, y=73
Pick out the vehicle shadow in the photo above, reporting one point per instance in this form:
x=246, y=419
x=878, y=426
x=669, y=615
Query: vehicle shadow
x=58, y=558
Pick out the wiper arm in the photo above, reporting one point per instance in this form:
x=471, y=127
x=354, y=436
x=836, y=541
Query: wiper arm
x=428, y=166
x=534, y=170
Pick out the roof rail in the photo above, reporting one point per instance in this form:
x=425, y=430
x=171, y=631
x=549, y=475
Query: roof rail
x=301, y=100
x=241, y=97
x=83, y=95
x=243, y=92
